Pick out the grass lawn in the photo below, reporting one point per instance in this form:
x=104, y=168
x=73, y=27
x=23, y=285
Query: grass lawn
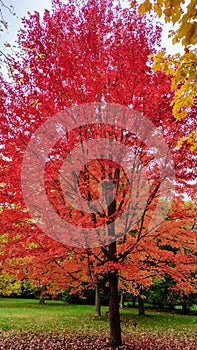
x=28, y=315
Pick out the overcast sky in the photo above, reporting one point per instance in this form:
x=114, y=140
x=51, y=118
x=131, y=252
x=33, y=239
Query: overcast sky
x=21, y=7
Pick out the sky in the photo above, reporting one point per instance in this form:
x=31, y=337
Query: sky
x=21, y=7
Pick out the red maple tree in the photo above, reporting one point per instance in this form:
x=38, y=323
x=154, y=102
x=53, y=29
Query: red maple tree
x=98, y=52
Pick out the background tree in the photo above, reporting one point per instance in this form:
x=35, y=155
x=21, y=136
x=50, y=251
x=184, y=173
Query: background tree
x=182, y=67
x=9, y=286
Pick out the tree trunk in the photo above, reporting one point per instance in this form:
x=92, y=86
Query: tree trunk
x=97, y=301
x=133, y=301
x=114, y=312
x=122, y=297
x=185, y=308
x=141, y=311
x=42, y=298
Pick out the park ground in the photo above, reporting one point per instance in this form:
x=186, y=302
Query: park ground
x=26, y=325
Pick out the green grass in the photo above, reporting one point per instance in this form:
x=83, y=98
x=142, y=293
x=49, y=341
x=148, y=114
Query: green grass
x=193, y=308
x=20, y=314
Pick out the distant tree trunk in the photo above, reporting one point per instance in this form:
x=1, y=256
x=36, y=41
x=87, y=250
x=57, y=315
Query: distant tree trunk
x=185, y=308
x=141, y=310
x=40, y=293
x=133, y=301
x=122, y=298
x=42, y=298
x=114, y=312
x=97, y=301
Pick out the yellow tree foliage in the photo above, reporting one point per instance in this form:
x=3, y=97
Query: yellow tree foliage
x=182, y=68
x=9, y=285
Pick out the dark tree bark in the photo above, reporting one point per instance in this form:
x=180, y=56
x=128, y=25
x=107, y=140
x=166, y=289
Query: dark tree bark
x=141, y=310
x=185, y=308
x=114, y=312
x=133, y=301
x=97, y=301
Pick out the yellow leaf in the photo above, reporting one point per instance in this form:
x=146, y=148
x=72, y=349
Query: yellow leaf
x=179, y=115
x=191, y=36
x=176, y=15
x=145, y=7
x=180, y=142
x=158, y=9
x=193, y=147
x=173, y=84
x=167, y=12
x=188, y=101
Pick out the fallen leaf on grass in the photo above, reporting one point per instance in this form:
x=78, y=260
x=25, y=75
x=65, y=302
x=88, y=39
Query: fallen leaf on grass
x=66, y=341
